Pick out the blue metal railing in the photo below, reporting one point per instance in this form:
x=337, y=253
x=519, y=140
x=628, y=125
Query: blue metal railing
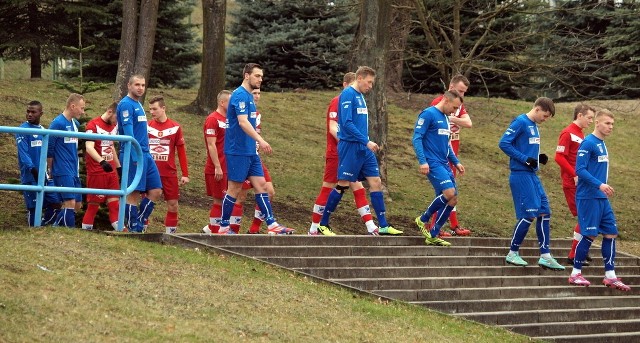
x=40, y=188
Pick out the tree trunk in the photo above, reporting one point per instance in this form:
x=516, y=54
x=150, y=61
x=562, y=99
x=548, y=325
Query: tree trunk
x=146, y=38
x=400, y=27
x=212, y=77
x=127, y=47
x=36, y=62
x=372, y=46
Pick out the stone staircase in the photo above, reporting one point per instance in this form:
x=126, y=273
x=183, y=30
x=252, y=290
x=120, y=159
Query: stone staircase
x=469, y=279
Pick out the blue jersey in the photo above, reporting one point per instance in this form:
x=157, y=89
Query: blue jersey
x=236, y=141
x=353, y=117
x=29, y=149
x=592, y=168
x=521, y=141
x=431, y=138
x=132, y=121
x=64, y=150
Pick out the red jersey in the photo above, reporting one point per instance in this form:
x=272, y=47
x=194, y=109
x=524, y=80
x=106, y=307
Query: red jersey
x=104, y=147
x=164, y=138
x=215, y=126
x=566, y=151
x=332, y=142
x=455, y=129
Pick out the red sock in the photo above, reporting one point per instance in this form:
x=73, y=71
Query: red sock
x=360, y=196
x=236, y=218
x=214, y=217
x=90, y=215
x=574, y=244
x=453, y=219
x=321, y=201
x=257, y=221
x=433, y=219
x=114, y=210
x=171, y=220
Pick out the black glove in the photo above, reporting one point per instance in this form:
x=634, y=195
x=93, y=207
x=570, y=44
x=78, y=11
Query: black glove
x=34, y=172
x=106, y=166
x=119, y=171
x=532, y=163
x=543, y=158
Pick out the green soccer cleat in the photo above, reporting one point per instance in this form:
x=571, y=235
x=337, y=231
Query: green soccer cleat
x=437, y=241
x=326, y=230
x=423, y=230
x=516, y=260
x=550, y=263
x=389, y=230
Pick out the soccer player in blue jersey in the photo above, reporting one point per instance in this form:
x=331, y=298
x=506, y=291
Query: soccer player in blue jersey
x=132, y=121
x=29, y=147
x=434, y=152
x=355, y=152
x=62, y=159
x=521, y=142
x=243, y=161
x=595, y=215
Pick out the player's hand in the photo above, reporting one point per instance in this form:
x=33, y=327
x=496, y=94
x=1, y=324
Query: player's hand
x=606, y=189
x=532, y=163
x=424, y=169
x=373, y=146
x=106, y=166
x=543, y=158
x=265, y=147
x=218, y=173
x=184, y=180
x=34, y=172
x=460, y=168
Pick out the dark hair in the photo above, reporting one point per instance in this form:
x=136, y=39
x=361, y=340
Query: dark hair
x=159, y=99
x=349, y=77
x=450, y=95
x=459, y=78
x=582, y=108
x=34, y=103
x=364, y=71
x=546, y=105
x=248, y=68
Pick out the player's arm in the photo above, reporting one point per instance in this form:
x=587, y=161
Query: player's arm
x=333, y=129
x=451, y=156
x=418, y=135
x=243, y=121
x=562, y=151
x=582, y=162
x=91, y=151
x=463, y=121
x=23, y=152
x=506, y=143
x=213, y=154
x=346, y=122
x=184, y=165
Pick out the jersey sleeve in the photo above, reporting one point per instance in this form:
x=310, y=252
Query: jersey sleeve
x=22, y=143
x=419, y=131
x=53, y=140
x=452, y=156
x=562, y=151
x=506, y=142
x=332, y=112
x=582, y=162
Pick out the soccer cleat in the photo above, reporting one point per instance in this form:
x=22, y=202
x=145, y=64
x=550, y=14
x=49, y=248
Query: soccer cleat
x=584, y=264
x=249, y=232
x=460, y=231
x=550, y=263
x=313, y=233
x=207, y=230
x=280, y=230
x=443, y=234
x=326, y=230
x=389, y=230
x=578, y=280
x=172, y=230
x=437, y=241
x=516, y=260
x=375, y=232
x=616, y=283
x=422, y=227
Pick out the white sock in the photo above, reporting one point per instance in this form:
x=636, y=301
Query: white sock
x=546, y=256
x=371, y=226
x=314, y=227
x=575, y=272
x=610, y=274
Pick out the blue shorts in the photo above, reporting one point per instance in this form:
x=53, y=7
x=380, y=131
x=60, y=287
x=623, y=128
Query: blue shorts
x=441, y=178
x=150, y=175
x=356, y=162
x=595, y=216
x=241, y=167
x=50, y=198
x=529, y=198
x=68, y=181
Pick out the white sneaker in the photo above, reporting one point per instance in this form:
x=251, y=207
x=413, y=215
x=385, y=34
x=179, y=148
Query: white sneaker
x=206, y=230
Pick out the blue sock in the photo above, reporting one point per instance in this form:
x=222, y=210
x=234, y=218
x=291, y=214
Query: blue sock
x=438, y=203
x=443, y=216
x=582, y=250
x=131, y=218
x=31, y=217
x=66, y=217
x=543, y=232
x=227, y=207
x=330, y=207
x=50, y=214
x=146, y=207
x=519, y=233
x=609, y=253
x=377, y=201
x=262, y=199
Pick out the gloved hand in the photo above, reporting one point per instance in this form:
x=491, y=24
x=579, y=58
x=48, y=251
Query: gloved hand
x=532, y=163
x=543, y=158
x=34, y=172
x=106, y=166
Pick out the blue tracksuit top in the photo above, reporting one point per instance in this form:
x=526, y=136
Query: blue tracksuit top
x=236, y=141
x=29, y=148
x=132, y=121
x=64, y=150
x=592, y=168
x=353, y=117
x=521, y=141
x=431, y=138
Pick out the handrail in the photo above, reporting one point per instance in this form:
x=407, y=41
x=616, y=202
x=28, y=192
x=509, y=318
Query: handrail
x=40, y=188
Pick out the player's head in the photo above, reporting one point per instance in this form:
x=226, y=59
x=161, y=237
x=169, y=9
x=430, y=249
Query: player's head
x=252, y=75
x=365, y=76
x=459, y=83
x=223, y=100
x=604, y=123
x=75, y=105
x=583, y=115
x=256, y=95
x=136, y=86
x=109, y=114
x=543, y=109
x=34, y=112
x=348, y=79
x=451, y=101
x=157, y=108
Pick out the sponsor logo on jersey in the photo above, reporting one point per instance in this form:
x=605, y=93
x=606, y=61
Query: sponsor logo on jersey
x=159, y=149
x=36, y=143
x=253, y=114
x=560, y=148
x=155, y=141
x=445, y=181
x=600, y=148
x=211, y=132
x=575, y=138
x=420, y=121
x=532, y=130
x=157, y=157
x=142, y=118
x=125, y=114
x=534, y=140
x=333, y=115
x=444, y=132
x=603, y=158
x=362, y=110
x=89, y=131
x=106, y=143
x=70, y=140
x=242, y=105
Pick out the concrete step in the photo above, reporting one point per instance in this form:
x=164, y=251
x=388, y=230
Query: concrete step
x=530, y=303
x=618, y=337
x=553, y=315
x=575, y=327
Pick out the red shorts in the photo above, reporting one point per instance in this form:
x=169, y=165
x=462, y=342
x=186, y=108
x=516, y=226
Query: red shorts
x=216, y=189
x=170, y=189
x=330, y=170
x=247, y=184
x=570, y=195
x=102, y=181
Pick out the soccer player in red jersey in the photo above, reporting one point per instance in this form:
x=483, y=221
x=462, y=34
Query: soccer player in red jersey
x=215, y=169
x=566, y=152
x=165, y=137
x=330, y=177
x=101, y=162
x=457, y=121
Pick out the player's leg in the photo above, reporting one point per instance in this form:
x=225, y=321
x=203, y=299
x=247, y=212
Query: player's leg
x=523, y=199
x=215, y=189
x=609, y=231
x=329, y=181
x=362, y=205
x=235, y=222
x=262, y=198
x=258, y=216
x=67, y=215
x=153, y=189
x=237, y=172
x=171, y=193
x=348, y=170
x=371, y=172
x=543, y=230
x=441, y=179
x=570, y=196
x=52, y=205
x=131, y=211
